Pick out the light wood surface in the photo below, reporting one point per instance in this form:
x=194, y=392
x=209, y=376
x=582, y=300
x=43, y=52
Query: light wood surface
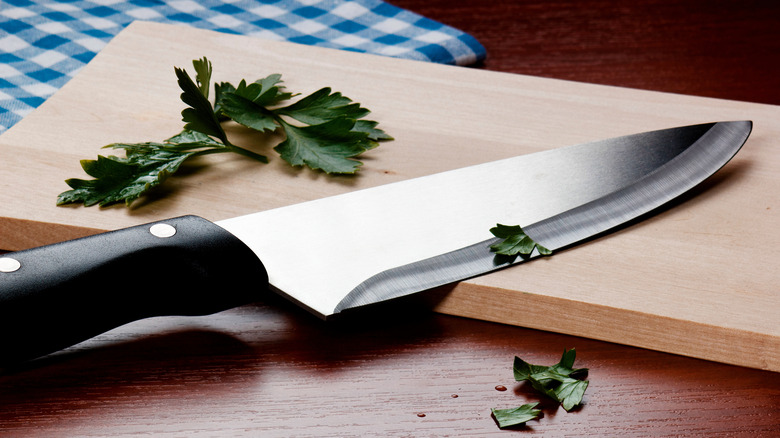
x=697, y=279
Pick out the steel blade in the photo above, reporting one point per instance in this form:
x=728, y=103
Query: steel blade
x=706, y=156
x=380, y=243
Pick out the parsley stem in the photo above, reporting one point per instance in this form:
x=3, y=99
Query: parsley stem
x=247, y=153
x=233, y=148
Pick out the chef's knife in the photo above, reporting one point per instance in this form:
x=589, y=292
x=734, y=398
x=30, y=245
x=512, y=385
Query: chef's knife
x=350, y=250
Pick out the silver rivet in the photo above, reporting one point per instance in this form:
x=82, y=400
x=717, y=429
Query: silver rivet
x=7, y=264
x=162, y=230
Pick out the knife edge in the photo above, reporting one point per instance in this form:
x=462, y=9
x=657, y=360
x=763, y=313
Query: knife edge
x=673, y=176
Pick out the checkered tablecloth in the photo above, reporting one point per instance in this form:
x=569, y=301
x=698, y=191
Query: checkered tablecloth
x=45, y=43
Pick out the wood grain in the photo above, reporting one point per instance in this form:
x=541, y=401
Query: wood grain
x=269, y=370
x=641, y=276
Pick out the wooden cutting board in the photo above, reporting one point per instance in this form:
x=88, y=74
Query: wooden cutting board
x=699, y=279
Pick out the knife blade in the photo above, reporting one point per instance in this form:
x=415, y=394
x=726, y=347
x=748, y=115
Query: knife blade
x=350, y=250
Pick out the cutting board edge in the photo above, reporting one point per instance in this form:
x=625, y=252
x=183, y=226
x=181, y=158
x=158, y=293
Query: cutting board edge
x=697, y=340
x=19, y=234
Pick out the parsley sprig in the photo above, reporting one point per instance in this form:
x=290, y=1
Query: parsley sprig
x=324, y=131
x=561, y=382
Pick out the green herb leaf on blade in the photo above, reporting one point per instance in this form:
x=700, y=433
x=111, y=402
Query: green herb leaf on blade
x=557, y=381
x=515, y=242
x=516, y=416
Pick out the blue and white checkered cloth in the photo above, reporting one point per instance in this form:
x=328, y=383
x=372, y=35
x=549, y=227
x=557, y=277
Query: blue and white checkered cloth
x=45, y=43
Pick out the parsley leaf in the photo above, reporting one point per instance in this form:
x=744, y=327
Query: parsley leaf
x=199, y=116
x=328, y=146
x=240, y=106
x=119, y=179
x=515, y=241
x=516, y=416
x=246, y=104
x=203, y=75
x=146, y=166
x=369, y=127
x=330, y=136
x=328, y=139
x=221, y=90
x=558, y=381
x=322, y=106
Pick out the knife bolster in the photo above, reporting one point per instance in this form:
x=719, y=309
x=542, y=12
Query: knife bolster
x=55, y=296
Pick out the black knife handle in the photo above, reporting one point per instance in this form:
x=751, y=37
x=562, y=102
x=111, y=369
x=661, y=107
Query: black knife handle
x=58, y=295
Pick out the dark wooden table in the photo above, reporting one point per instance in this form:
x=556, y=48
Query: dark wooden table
x=270, y=370
x=723, y=49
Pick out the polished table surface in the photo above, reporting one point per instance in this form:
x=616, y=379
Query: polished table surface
x=271, y=370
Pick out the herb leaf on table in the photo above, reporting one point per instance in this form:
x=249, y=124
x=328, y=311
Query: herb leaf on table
x=558, y=381
x=516, y=416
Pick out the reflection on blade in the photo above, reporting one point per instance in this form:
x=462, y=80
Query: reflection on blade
x=665, y=177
